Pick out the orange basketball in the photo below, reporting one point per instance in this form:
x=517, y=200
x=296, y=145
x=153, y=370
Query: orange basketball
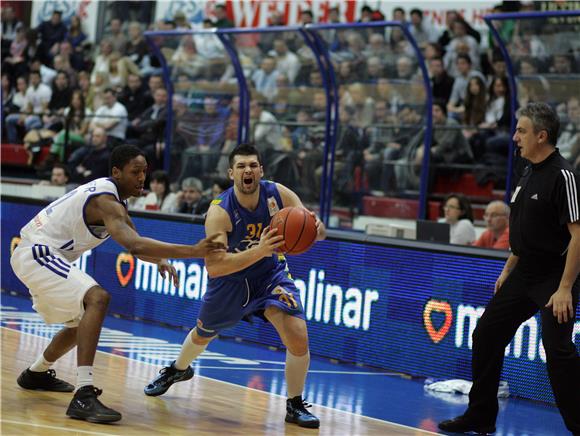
x=298, y=228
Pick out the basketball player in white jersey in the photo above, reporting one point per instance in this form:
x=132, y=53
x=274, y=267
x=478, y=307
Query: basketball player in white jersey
x=62, y=293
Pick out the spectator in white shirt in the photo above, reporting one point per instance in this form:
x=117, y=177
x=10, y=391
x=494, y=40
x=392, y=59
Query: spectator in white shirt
x=113, y=117
x=37, y=98
x=455, y=106
x=265, y=77
x=267, y=131
x=209, y=46
x=286, y=61
x=461, y=38
x=459, y=215
x=423, y=32
x=17, y=104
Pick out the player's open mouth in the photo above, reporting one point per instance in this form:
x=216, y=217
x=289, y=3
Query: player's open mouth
x=248, y=181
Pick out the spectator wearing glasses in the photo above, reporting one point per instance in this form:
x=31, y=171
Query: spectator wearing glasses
x=497, y=234
x=459, y=215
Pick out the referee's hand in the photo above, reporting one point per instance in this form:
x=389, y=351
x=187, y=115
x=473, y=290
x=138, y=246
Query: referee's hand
x=561, y=304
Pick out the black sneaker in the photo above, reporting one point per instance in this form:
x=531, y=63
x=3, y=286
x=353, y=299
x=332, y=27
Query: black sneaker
x=463, y=424
x=167, y=376
x=43, y=381
x=296, y=413
x=86, y=406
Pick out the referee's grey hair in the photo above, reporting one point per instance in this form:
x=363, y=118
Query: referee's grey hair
x=543, y=117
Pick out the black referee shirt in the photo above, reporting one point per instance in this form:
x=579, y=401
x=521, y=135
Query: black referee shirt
x=543, y=203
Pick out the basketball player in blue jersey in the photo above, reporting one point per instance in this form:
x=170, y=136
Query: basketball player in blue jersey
x=62, y=293
x=250, y=278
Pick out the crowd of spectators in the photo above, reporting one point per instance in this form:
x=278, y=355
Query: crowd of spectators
x=83, y=100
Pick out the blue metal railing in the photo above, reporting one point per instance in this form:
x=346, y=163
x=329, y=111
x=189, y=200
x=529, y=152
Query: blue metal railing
x=511, y=73
x=312, y=38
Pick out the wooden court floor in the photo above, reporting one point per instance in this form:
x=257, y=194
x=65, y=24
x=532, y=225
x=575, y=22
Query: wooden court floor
x=201, y=406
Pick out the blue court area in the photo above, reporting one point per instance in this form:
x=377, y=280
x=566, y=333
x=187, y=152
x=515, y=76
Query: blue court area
x=378, y=394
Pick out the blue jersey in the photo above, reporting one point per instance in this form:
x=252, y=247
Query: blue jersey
x=247, y=227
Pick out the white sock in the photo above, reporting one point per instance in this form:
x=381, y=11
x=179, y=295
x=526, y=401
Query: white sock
x=189, y=352
x=296, y=369
x=41, y=364
x=84, y=376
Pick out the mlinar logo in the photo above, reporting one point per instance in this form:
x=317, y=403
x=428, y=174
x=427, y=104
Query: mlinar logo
x=437, y=334
x=439, y=316
x=124, y=267
x=322, y=300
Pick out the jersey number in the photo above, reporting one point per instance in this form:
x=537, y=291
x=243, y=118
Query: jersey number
x=254, y=231
x=289, y=300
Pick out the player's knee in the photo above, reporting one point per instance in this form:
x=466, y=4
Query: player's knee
x=298, y=347
x=97, y=297
x=297, y=342
x=197, y=339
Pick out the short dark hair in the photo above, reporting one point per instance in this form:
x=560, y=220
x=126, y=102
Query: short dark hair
x=399, y=9
x=416, y=11
x=543, y=117
x=122, y=155
x=110, y=91
x=464, y=205
x=62, y=167
x=161, y=176
x=222, y=182
x=244, y=150
x=465, y=57
x=439, y=102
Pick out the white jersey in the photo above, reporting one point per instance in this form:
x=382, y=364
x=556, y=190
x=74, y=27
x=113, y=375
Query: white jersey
x=61, y=225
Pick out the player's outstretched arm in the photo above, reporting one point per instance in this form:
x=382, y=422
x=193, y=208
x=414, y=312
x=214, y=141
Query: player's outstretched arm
x=221, y=263
x=290, y=199
x=119, y=226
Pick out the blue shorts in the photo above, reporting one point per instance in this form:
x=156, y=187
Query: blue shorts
x=226, y=302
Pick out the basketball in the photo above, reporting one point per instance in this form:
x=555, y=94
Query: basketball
x=297, y=226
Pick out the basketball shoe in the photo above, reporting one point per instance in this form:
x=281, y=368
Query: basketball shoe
x=296, y=413
x=167, y=376
x=43, y=381
x=85, y=405
x=464, y=424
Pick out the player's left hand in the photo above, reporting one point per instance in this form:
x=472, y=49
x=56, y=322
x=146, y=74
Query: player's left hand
x=165, y=268
x=561, y=304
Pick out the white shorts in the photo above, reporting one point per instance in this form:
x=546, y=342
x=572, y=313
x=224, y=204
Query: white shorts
x=57, y=287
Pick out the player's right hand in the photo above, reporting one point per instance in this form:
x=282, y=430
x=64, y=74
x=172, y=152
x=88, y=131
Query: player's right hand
x=207, y=245
x=270, y=241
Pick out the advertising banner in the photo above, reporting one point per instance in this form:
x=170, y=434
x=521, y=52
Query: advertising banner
x=403, y=309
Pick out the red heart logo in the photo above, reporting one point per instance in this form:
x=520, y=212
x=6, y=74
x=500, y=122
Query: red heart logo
x=125, y=258
x=437, y=335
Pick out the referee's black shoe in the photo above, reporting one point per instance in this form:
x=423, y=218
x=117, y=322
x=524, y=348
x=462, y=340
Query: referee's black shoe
x=296, y=413
x=43, y=381
x=464, y=424
x=85, y=405
x=167, y=376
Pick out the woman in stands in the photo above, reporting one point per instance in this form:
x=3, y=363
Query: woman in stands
x=474, y=115
x=160, y=198
x=458, y=214
x=77, y=116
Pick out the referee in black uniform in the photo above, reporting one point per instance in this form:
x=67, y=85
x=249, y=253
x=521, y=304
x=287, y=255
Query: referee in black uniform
x=540, y=274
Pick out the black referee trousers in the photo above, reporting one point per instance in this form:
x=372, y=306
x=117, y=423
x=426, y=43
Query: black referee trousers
x=520, y=298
